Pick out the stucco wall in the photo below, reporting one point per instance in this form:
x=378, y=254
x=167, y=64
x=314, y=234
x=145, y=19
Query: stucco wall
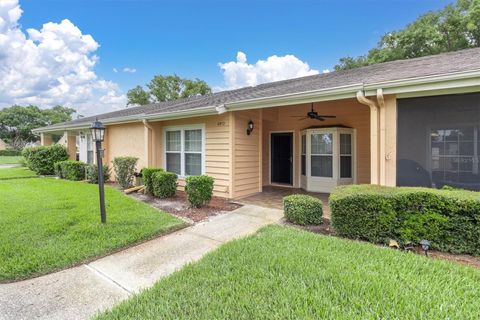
x=125, y=140
x=348, y=112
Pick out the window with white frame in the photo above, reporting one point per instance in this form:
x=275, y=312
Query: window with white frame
x=322, y=155
x=184, y=151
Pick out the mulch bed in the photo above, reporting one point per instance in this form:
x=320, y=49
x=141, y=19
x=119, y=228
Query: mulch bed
x=179, y=206
x=465, y=259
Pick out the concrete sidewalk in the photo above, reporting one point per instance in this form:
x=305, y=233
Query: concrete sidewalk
x=80, y=292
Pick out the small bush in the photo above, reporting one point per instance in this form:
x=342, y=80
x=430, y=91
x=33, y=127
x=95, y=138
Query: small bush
x=303, y=209
x=92, y=173
x=199, y=190
x=147, y=174
x=124, y=168
x=10, y=153
x=42, y=159
x=449, y=219
x=70, y=170
x=164, y=184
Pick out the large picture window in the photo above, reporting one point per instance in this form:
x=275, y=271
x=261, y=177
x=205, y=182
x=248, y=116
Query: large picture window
x=184, y=150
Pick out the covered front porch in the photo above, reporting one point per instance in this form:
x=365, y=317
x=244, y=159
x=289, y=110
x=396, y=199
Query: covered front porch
x=272, y=197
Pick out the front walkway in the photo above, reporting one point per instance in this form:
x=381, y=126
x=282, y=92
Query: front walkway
x=272, y=197
x=80, y=292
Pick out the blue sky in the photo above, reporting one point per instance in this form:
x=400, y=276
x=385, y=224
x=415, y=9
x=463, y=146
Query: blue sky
x=66, y=52
x=191, y=37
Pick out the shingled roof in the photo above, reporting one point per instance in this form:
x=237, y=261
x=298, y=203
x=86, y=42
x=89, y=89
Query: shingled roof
x=446, y=63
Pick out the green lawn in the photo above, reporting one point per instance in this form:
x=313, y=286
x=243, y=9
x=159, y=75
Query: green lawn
x=15, y=173
x=10, y=159
x=284, y=273
x=48, y=224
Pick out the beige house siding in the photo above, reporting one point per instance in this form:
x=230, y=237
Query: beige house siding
x=3, y=145
x=217, y=148
x=348, y=112
x=247, y=153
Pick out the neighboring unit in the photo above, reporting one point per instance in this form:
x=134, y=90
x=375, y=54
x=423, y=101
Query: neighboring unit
x=408, y=122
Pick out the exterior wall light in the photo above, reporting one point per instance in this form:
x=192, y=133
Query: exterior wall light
x=425, y=246
x=249, y=127
x=98, y=133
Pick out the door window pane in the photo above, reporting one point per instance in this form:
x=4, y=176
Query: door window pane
x=173, y=162
x=173, y=140
x=193, y=164
x=322, y=166
x=193, y=140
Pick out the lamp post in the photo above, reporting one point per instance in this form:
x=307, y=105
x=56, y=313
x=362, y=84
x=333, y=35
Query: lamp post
x=98, y=133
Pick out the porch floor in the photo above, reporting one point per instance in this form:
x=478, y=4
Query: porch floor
x=272, y=197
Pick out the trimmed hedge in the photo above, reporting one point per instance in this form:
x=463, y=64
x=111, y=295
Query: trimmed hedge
x=42, y=159
x=147, y=174
x=303, y=209
x=164, y=184
x=199, y=190
x=10, y=153
x=92, y=173
x=124, y=168
x=449, y=219
x=70, y=170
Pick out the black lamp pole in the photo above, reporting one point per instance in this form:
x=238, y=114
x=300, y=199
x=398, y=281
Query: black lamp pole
x=101, y=190
x=98, y=131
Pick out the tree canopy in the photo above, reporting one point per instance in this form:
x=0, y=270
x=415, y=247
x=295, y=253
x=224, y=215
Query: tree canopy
x=167, y=88
x=17, y=122
x=455, y=27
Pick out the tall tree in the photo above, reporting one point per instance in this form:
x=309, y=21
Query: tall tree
x=167, y=88
x=138, y=96
x=17, y=122
x=454, y=27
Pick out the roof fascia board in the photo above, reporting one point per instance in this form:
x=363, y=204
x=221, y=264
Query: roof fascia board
x=337, y=93
x=204, y=111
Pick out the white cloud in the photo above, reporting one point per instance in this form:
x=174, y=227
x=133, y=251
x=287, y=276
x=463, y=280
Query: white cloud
x=326, y=71
x=115, y=70
x=240, y=73
x=50, y=66
x=129, y=70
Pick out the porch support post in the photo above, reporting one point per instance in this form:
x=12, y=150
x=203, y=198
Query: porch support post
x=45, y=139
x=374, y=136
x=381, y=138
x=260, y=150
x=390, y=157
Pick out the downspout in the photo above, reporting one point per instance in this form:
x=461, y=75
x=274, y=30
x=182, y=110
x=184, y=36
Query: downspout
x=382, y=137
x=148, y=131
x=374, y=139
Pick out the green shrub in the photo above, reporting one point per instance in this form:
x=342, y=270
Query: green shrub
x=449, y=219
x=92, y=173
x=147, y=174
x=10, y=153
x=42, y=159
x=124, y=168
x=303, y=209
x=199, y=190
x=70, y=170
x=164, y=184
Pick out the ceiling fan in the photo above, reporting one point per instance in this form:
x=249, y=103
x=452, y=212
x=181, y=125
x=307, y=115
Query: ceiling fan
x=313, y=115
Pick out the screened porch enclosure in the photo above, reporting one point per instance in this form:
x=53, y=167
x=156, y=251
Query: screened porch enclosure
x=439, y=141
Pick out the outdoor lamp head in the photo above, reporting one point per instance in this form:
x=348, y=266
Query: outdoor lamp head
x=249, y=127
x=98, y=130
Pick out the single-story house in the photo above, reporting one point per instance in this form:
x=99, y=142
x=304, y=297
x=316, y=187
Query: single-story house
x=410, y=122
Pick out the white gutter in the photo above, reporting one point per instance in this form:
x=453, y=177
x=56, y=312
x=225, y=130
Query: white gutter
x=374, y=137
